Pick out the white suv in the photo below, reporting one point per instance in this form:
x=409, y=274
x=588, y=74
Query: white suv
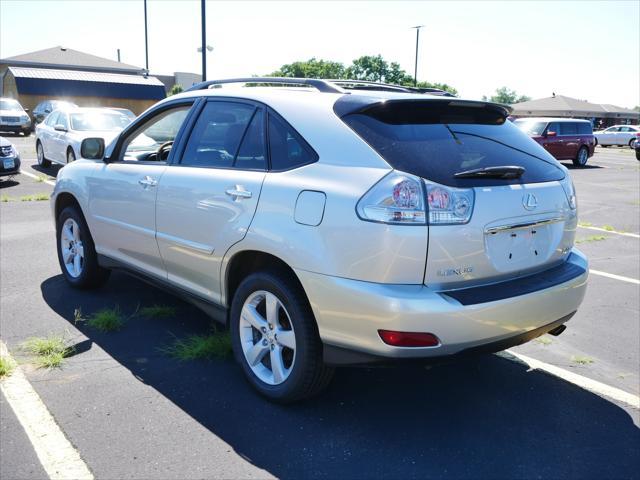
x=328, y=225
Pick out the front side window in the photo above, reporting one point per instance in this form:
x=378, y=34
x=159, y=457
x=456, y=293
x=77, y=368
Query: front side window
x=286, y=147
x=62, y=120
x=554, y=127
x=51, y=119
x=227, y=135
x=152, y=140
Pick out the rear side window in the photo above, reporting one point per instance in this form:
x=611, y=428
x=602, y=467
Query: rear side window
x=217, y=135
x=568, y=128
x=436, y=140
x=286, y=147
x=584, y=128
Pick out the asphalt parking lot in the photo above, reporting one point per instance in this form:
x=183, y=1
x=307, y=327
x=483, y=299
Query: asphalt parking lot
x=133, y=412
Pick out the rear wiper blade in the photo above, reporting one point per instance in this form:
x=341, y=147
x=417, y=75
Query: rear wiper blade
x=506, y=172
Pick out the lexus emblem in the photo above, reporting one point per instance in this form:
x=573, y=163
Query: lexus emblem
x=529, y=201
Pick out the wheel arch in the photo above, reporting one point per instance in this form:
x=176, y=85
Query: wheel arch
x=64, y=200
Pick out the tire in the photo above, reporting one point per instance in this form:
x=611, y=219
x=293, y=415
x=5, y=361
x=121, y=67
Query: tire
x=595, y=141
x=71, y=156
x=72, y=233
x=637, y=154
x=632, y=142
x=42, y=160
x=303, y=372
x=26, y=132
x=582, y=157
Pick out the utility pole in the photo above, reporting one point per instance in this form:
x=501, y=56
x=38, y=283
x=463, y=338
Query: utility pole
x=415, y=72
x=204, y=41
x=146, y=39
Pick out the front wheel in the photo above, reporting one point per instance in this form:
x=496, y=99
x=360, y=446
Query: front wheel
x=76, y=251
x=275, y=338
x=582, y=157
x=42, y=161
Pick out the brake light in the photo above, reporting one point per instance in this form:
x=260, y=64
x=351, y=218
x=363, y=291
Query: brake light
x=396, y=199
x=449, y=206
x=408, y=339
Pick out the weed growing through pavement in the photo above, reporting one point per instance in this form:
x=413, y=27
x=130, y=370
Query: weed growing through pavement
x=158, y=311
x=6, y=367
x=592, y=238
x=200, y=347
x=106, y=320
x=581, y=360
x=38, y=197
x=585, y=224
x=609, y=228
x=5, y=198
x=42, y=178
x=544, y=341
x=48, y=352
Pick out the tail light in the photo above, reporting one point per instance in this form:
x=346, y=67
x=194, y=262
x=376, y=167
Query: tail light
x=400, y=198
x=570, y=191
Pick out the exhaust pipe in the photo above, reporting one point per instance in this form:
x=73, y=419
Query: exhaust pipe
x=557, y=331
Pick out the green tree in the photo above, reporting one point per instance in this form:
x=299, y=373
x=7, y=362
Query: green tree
x=311, y=68
x=506, y=96
x=177, y=88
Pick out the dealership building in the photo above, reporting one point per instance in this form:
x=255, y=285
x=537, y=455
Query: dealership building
x=81, y=78
x=601, y=115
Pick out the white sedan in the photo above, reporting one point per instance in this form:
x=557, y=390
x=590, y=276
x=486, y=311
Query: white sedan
x=618, y=135
x=58, y=138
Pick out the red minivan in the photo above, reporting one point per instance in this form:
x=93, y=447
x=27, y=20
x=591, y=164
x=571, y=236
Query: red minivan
x=564, y=138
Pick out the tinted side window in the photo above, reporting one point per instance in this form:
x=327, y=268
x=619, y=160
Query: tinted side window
x=287, y=149
x=568, y=128
x=52, y=118
x=554, y=127
x=252, y=152
x=216, y=136
x=584, y=128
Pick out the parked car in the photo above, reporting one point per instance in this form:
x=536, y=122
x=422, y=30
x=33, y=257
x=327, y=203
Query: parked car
x=564, y=138
x=331, y=227
x=59, y=137
x=624, y=135
x=126, y=112
x=45, y=108
x=14, y=118
x=9, y=158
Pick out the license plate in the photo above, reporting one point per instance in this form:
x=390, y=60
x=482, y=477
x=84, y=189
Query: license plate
x=8, y=163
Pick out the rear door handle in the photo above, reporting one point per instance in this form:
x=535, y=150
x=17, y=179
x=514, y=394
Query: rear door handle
x=238, y=193
x=148, y=182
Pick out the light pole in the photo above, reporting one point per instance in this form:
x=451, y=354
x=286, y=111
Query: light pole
x=415, y=72
x=207, y=49
x=203, y=48
x=146, y=39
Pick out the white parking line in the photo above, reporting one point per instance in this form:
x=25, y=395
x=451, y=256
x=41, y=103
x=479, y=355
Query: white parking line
x=583, y=382
x=28, y=174
x=598, y=229
x=56, y=454
x=615, y=277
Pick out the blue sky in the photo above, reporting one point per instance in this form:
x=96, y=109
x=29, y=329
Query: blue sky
x=588, y=49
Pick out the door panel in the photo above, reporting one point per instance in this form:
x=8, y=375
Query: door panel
x=122, y=209
x=197, y=222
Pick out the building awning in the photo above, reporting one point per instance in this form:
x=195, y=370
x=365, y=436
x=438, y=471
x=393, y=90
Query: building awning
x=65, y=83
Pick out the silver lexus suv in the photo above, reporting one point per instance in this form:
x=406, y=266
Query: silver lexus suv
x=331, y=223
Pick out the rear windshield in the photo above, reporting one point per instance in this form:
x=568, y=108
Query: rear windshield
x=98, y=121
x=436, y=141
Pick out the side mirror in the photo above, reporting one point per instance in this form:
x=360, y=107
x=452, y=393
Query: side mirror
x=92, y=148
x=26, y=109
x=552, y=134
x=60, y=128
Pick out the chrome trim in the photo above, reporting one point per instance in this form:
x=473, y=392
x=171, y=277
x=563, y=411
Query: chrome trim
x=521, y=226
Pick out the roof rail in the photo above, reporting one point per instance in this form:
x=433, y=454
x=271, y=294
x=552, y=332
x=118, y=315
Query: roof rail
x=325, y=86
x=386, y=87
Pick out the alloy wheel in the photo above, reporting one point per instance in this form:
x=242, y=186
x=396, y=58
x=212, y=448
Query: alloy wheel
x=72, y=248
x=267, y=337
x=39, y=153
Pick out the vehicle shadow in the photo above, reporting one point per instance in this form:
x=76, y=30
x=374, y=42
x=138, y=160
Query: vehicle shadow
x=8, y=182
x=486, y=417
x=588, y=166
x=52, y=171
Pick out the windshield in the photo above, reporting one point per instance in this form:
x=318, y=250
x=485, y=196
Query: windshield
x=59, y=105
x=531, y=127
x=414, y=141
x=10, y=105
x=98, y=121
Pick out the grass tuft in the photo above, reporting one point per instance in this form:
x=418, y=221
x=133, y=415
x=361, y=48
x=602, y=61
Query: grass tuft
x=49, y=352
x=581, y=360
x=5, y=198
x=106, y=320
x=6, y=367
x=609, y=228
x=35, y=198
x=41, y=178
x=592, y=238
x=200, y=347
x=544, y=340
x=585, y=224
x=158, y=311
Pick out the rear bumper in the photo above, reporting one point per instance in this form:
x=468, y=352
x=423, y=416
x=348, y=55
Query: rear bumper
x=9, y=171
x=349, y=314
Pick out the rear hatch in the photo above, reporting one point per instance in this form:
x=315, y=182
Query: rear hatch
x=498, y=203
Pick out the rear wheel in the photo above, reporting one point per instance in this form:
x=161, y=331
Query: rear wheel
x=71, y=157
x=42, y=161
x=632, y=143
x=76, y=251
x=275, y=338
x=26, y=132
x=582, y=157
